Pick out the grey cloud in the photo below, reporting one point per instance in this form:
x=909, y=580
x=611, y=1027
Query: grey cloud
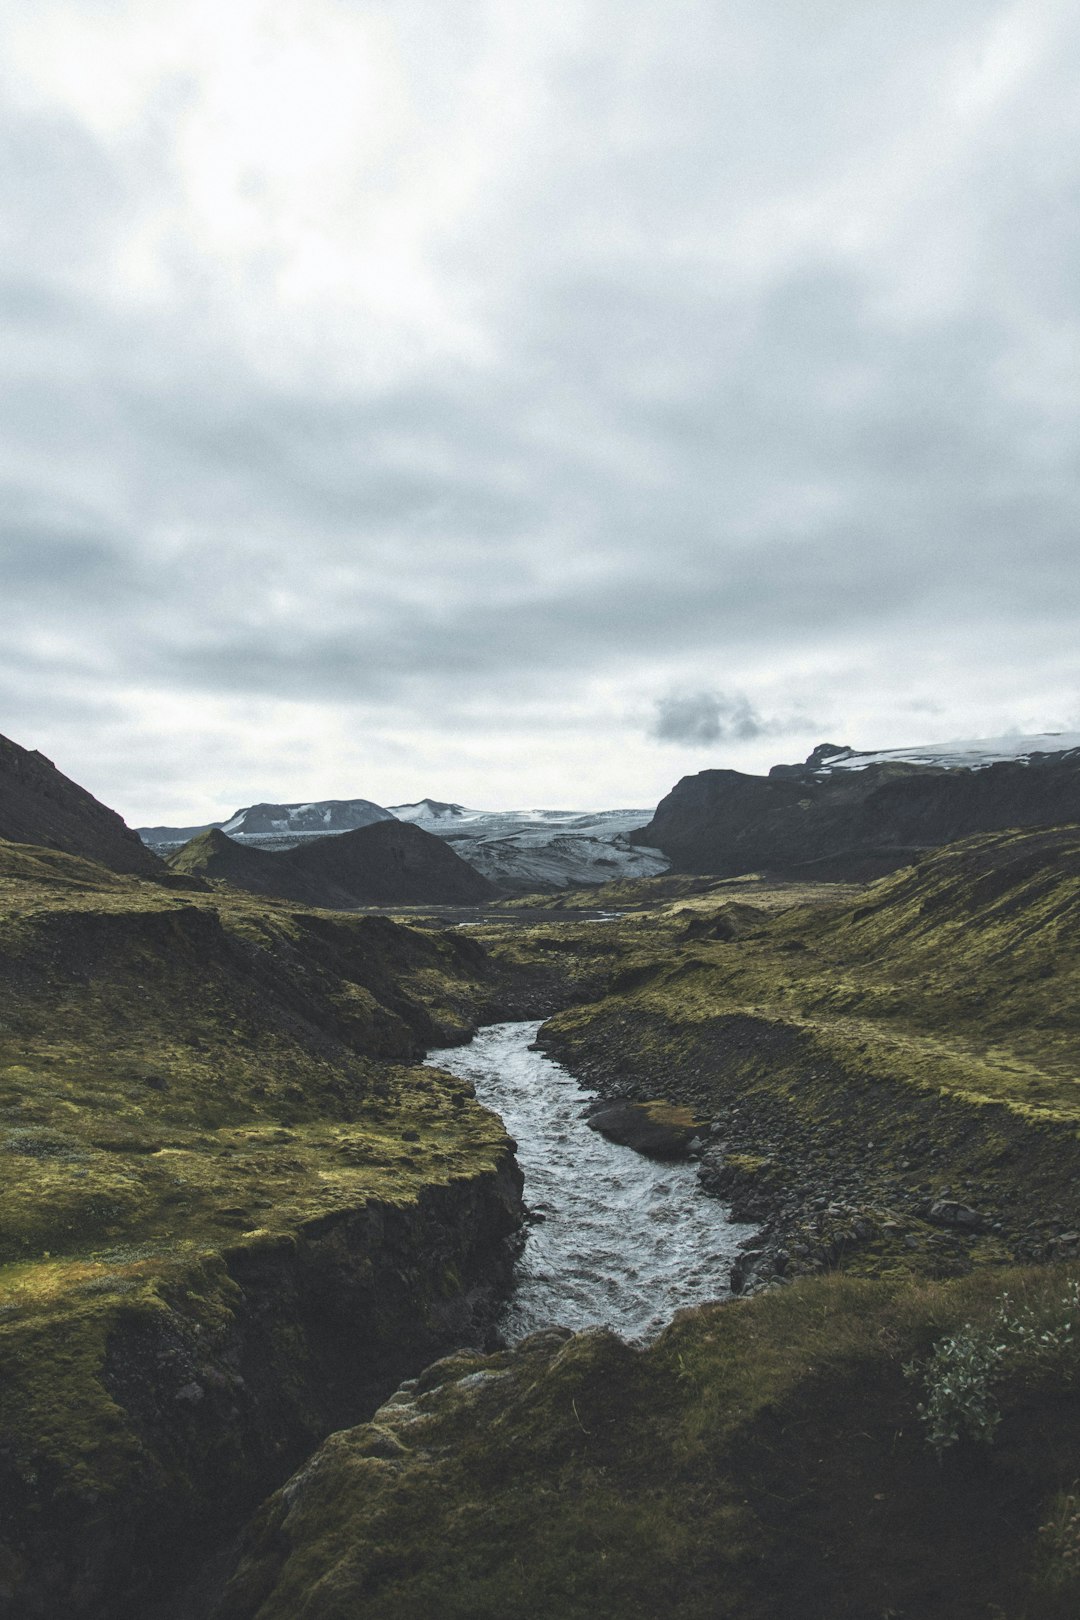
x=667, y=449
x=704, y=718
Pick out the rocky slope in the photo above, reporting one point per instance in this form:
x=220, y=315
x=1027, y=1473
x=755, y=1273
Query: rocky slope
x=890, y=1081
x=762, y=1459
x=847, y=822
x=39, y=805
x=383, y=863
x=232, y=1213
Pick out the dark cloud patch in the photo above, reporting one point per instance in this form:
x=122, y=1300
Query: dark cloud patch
x=702, y=719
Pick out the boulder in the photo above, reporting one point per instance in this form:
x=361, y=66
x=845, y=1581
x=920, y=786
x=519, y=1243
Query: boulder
x=659, y=1129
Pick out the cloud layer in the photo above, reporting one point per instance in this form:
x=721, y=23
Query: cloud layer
x=397, y=402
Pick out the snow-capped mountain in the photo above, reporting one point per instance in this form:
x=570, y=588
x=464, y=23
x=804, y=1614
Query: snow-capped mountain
x=517, y=849
x=313, y=820
x=541, y=849
x=276, y=826
x=426, y=811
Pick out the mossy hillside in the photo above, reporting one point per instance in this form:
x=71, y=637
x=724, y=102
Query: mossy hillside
x=146, y=1401
x=762, y=1458
x=637, y=894
x=922, y=1043
x=194, y=1081
x=966, y=969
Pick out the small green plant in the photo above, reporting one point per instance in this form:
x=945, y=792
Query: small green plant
x=1059, y=1544
x=963, y=1375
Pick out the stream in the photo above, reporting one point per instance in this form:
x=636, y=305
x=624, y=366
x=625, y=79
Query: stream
x=624, y=1241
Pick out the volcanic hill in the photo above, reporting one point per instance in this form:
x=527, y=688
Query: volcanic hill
x=385, y=862
x=39, y=805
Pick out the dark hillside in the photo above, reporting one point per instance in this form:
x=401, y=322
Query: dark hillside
x=386, y=863
x=858, y=823
x=232, y=1210
x=762, y=1460
x=214, y=855
x=392, y=863
x=39, y=805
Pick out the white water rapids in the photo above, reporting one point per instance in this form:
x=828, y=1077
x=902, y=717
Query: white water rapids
x=625, y=1241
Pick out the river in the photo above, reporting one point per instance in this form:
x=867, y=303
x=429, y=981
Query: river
x=624, y=1241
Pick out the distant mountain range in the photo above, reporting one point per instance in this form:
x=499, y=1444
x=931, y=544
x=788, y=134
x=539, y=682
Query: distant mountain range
x=518, y=850
x=842, y=812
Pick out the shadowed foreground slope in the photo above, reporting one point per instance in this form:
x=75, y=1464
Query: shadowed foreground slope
x=763, y=1460
x=231, y=1212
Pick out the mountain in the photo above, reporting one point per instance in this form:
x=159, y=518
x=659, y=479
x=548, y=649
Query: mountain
x=844, y=814
x=426, y=810
x=276, y=826
x=525, y=850
x=392, y=863
x=39, y=805
x=519, y=850
x=967, y=755
x=262, y=821
x=384, y=863
x=213, y=854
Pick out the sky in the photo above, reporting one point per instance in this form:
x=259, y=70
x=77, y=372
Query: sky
x=523, y=404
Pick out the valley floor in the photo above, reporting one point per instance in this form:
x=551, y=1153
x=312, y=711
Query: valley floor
x=219, y=1139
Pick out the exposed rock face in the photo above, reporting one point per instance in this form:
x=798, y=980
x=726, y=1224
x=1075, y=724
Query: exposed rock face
x=853, y=823
x=39, y=805
x=229, y=1372
x=383, y=863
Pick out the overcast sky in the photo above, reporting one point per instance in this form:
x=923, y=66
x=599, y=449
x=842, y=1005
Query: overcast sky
x=531, y=404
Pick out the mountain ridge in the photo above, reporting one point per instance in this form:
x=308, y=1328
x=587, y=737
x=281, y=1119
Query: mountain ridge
x=824, y=820
x=40, y=805
x=386, y=862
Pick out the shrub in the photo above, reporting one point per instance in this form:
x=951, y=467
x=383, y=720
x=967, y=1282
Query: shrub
x=1059, y=1544
x=963, y=1375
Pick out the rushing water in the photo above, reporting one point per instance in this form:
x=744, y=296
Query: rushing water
x=625, y=1241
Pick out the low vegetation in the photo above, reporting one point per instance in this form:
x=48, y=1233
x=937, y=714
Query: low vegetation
x=762, y=1458
x=220, y=1158
x=210, y=1110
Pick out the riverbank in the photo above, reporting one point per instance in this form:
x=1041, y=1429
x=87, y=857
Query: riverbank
x=890, y=1085
x=613, y=1239
x=763, y=1458
x=233, y=1214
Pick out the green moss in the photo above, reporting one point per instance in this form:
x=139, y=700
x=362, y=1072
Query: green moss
x=762, y=1458
x=191, y=1085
